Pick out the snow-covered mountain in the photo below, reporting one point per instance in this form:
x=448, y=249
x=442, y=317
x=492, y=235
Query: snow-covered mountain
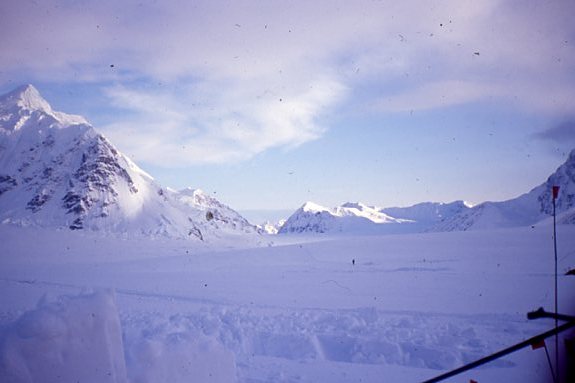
x=56, y=170
x=360, y=218
x=567, y=217
x=527, y=209
x=428, y=213
x=347, y=218
x=272, y=228
x=216, y=213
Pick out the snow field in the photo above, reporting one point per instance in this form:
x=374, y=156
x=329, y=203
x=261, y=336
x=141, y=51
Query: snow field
x=411, y=307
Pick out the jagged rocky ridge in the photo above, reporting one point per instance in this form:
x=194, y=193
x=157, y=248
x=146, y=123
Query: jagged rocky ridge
x=56, y=170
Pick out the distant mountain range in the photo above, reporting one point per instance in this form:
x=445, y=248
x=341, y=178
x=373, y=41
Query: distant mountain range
x=358, y=218
x=527, y=209
x=57, y=171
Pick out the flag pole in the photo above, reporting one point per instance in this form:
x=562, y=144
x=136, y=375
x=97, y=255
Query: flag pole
x=555, y=195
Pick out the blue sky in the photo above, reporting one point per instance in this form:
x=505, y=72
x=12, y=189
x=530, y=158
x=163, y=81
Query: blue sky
x=267, y=105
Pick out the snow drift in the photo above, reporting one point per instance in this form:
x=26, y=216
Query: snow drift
x=80, y=339
x=77, y=339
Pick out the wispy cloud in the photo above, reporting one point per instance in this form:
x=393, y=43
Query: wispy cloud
x=239, y=78
x=200, y=126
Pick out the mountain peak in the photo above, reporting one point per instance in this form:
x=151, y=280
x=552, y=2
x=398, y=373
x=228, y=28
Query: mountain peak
x=312, y=207
x=26, y=97
x=18, y=106
x=58, y=171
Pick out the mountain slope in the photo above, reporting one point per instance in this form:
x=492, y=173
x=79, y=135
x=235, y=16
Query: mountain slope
x=428, y=213
x=527, y=209
x=58, y=171
x=348, y=218
x=358, y=218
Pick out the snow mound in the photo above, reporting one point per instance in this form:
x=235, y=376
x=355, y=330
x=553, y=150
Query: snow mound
x=167, y=351
x=77, y=339
x=80, y=339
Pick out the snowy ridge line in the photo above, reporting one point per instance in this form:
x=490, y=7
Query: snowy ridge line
x=358, y=218
x=495, y=317
x=531, y=208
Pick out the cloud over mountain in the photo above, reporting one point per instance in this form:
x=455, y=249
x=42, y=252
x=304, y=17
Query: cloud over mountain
x=245, y=77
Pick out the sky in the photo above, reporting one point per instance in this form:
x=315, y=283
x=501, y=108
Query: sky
x=269, y=104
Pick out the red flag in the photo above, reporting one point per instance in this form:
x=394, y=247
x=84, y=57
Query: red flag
x=536, y=345
x=555, y=192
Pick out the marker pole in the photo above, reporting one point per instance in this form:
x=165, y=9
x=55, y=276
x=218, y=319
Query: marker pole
x=555, y=195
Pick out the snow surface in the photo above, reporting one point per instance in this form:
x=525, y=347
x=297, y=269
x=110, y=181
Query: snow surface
x=393, y=308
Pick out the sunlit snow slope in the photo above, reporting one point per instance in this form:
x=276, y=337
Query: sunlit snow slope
x=56, y=170
x=527, y=209
x=358, y=218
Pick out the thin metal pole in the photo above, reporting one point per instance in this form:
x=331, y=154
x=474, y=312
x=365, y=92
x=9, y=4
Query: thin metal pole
x=499, y=354
x=556, y=299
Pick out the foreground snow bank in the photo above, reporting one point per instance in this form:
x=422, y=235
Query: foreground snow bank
x=70, y=340
x=165, y=351
x=79, y=339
